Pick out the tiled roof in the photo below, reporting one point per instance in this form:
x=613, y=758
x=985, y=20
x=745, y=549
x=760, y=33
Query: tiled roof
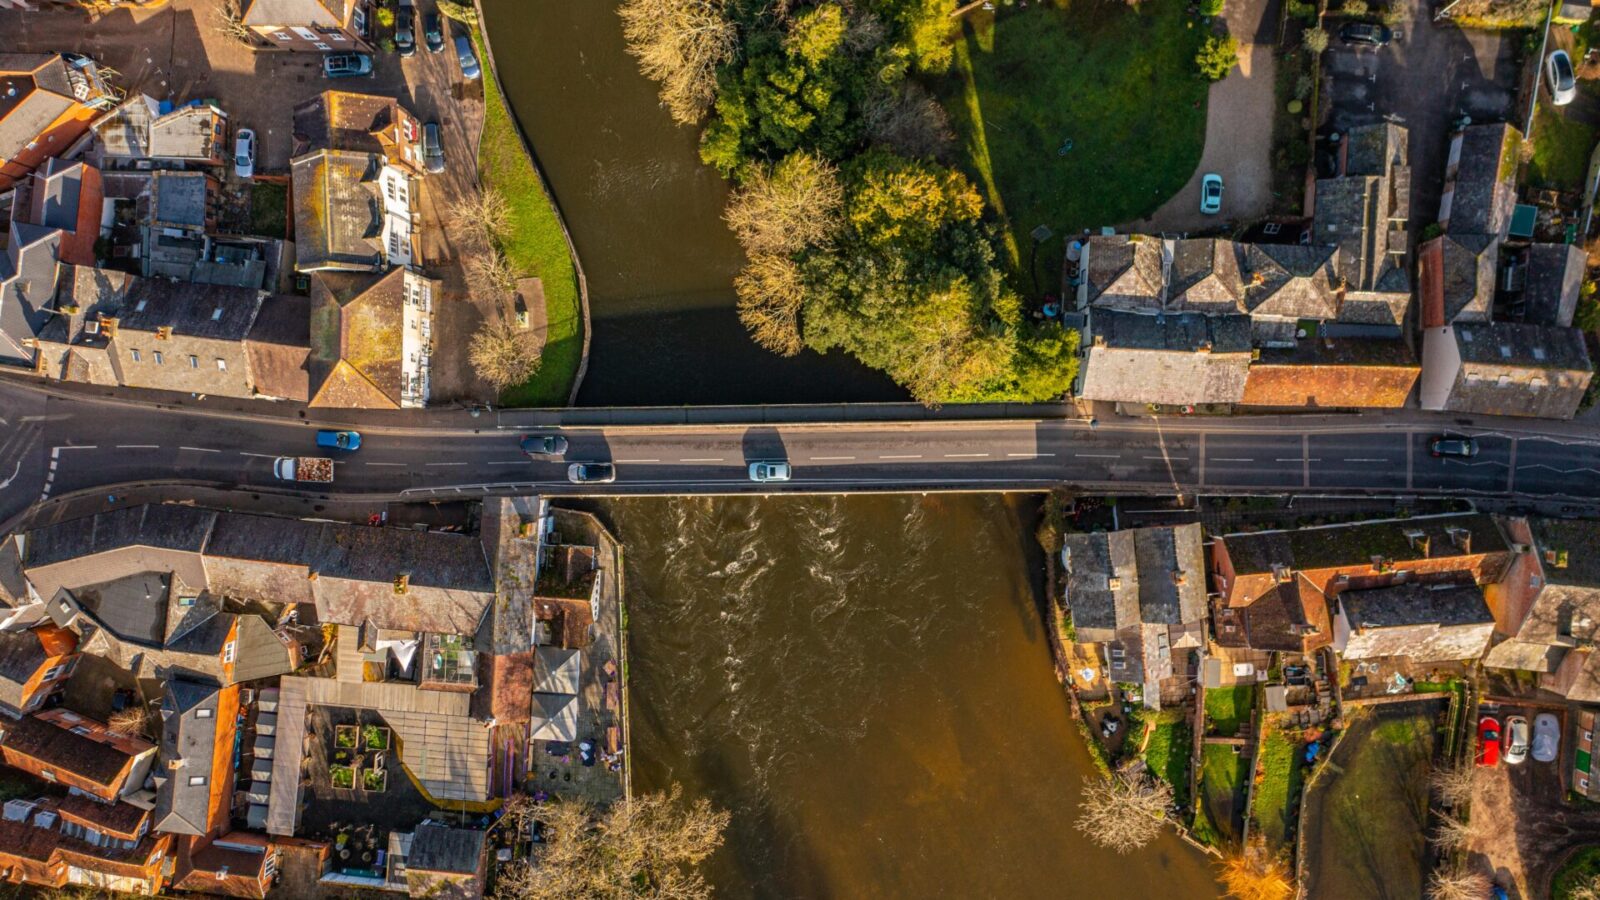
x=41, y=94
x=1289, y=281
x=338, y=215
x=1414, y=603
x=1124, y=271
x=1329, y=372
x=1174, y=358
x=1354, y=545
x=279, y=348
x=64, y=750
x=1125, y=578
x=1205, y=277
x=1484, y=188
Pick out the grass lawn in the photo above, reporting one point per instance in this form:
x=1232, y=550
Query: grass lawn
x=1273, y=808
x=1561, y=148
x=1167, y=754
x=1582, y=868
x=1222, y=775
x=1117, y=80
x=535, y=246
x=1228, y=707
x=269, y=205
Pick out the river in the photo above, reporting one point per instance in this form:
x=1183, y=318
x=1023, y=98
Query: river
x=865, y=682
x=646, y=218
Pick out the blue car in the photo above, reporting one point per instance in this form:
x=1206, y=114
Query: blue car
x=346, y=65
x=464, y=55
x=339, y=440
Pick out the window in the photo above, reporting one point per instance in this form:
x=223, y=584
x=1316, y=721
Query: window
x=1583, y=782
x=202, y=713
x=222, y=364
x=134, y=354
x=196, y=780
x=187, y=601
x=194, y=361
x=227, y=651
x=158, y=357
x=1588, y=735
x=321, y=46
x=283, y=35
x=55, y=672
x=80, y=729
x=37, y=699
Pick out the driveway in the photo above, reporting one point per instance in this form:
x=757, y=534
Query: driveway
x=1426, y=79
x=1238, y=131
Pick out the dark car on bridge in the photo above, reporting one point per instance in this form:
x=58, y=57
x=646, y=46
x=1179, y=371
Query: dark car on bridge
x=544, y=446
x=1446, y=445
x=591, y=473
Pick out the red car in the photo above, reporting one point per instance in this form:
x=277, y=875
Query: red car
x=1488, y=741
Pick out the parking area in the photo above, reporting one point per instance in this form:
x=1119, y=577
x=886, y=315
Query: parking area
x=1426, y=79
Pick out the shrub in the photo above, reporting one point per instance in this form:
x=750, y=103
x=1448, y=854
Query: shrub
x=1217, y=57
x=1354, y=8
x=385, y=17
x=1212, y=8
x=1300, y=9
x=1316, y=40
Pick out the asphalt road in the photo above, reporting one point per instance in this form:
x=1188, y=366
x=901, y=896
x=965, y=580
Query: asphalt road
x=55, y=441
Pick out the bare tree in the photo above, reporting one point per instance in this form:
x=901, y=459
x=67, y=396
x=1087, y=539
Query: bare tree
x=785, y=210
x=489, y=274
x=461, y=12
x=1453, y=785
x=134, y=720
x=503, y=354
x=1453, y=834
x=1457, y=882
x=643, y=847
x=1256, y=875
x=481, y=218
x=770, y=293
x=1123, y=813
x=1588, y=890
x=681, y=44
x=228, y=21
x=910, y=122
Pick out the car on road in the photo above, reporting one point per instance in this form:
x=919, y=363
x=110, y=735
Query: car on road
x=1546, y=737
x=432, y=151
x=346, y=65
x=1516, y=740
x=1211, y=193
x=1446, y=445
x=769, y=470
x=244, y=153
x=1559, y=75
x=339, y=440
x=1488, y=741
x=433, y=31
x=1365, y=34
x=405, y=29
x=469, y=62
x=591, y=473
x=544, y=446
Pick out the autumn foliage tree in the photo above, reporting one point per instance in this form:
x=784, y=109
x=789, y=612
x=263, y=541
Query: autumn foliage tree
x=1255, y=875
x=681, y=44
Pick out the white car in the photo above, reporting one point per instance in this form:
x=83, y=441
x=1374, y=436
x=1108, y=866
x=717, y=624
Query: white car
x=1516, y=740
x=1211, y=194
x=1563, y=82
x=775, y=470
x=244, y=153
x=1546, y=737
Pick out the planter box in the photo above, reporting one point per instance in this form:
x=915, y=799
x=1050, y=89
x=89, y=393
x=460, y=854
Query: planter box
x=346, y=737
x=343, y=776
x=374, y=737
x=374, y=780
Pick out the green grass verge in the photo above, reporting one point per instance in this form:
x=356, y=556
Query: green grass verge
x=535, y=245
x=1226, y=708
x=1117, y=80
x=269, y=206
x=1167, y=754
x=1272, y=807
x=1561, y=148
x=1582, y=869
x=1222, y=775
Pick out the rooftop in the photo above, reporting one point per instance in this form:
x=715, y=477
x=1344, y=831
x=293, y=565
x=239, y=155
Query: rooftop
x=1484, y=188
x=1571, y=550
x=1140, y=576
x=338, y=215
x=1512, y=345
x=1402, y=605
x=179, y=199
x=437, y=848
x=1355, y=545
x=1554, y=279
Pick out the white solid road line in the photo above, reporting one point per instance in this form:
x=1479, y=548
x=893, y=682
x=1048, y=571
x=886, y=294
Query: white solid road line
x=200, y=449
x=965, y=455
x=901, y=456
x=702, y=459
x=55, y=450
x=638, y=460
x=138, y=446
x=823, y=458
x=1098, y=455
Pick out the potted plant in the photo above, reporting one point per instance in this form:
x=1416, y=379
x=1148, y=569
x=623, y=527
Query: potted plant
x=375, y=737
x=345, y=736
x=374, y=780
x=343, y=776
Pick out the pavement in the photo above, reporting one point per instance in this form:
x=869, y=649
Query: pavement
x=1238, y=131
x=61, y=443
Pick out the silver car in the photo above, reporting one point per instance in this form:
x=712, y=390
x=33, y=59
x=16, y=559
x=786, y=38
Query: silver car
x=1559, y=75
x=769, y=470
x=1546, y=737
x=1516, y=740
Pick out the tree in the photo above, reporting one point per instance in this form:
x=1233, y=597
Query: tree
x=645, y=847
x=1217, y=57
x=481, y=217
x=681, y=44
x=1457, y=882
x=461, y=12
x=1453, y=834
x=1315, y=39
x=489, y=274
x=1123, y=813
x=503, y=354
x=770, y=293
x=385, y=17
x=909, y=121
x=1255, y=875
x=1354, y=8
x=228, y=21
x=1587, y=317
x=1453, y=785
x=134, y=720
x=1587, y=890
x=1211, y=8
x=788, y=208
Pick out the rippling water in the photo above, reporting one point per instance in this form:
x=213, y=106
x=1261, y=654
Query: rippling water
x=866, y=684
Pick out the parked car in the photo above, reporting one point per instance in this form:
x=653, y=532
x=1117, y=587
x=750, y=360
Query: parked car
x=1516, y=740
x=469, y=63
x=433, y=31
x=1211, y=194
x=244, y=153
x=544, y=446
x=339, y=440
x=1445, y=445
x=1365, y=34
x=1488, y=741
x=432, y=151
x=769, y=470
x=1558, y=73
x=1546, y=737
x=346, y=65
x=591, y=473
x=405, y=29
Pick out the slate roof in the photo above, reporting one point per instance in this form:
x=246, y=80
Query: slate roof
x=437, y=848
x=1205, y=277
x=1291, y=281
x=133, y=607
x=181, y=807
x=1508, y=345
x=1553, y=280
x=1124, y=271
x=1483, y=190
x=21, y=655
x=1579, y=540
x=293, y=12
x=217, y=312
x=278, y=347
x=338, y=215
x=1375, y=149
x=1414, y=603
x=1354, y=545
x=1172, y=358
x=28, y=270
x=1125, y=578
x=1467, y=276
x=164, y=526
